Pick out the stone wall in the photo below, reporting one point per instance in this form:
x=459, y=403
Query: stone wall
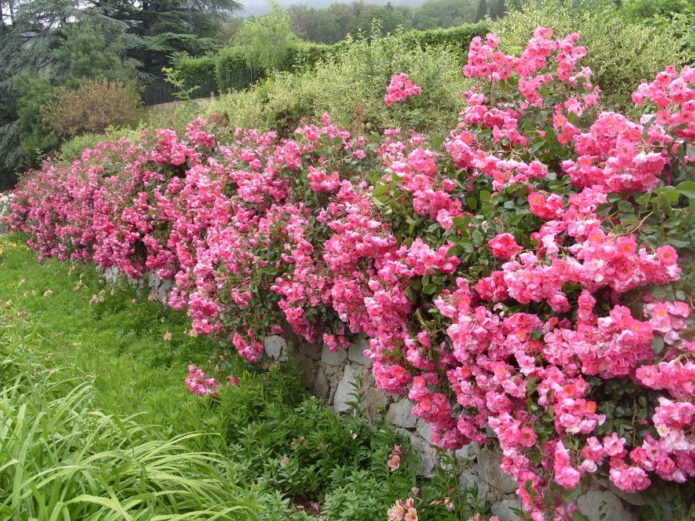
x=337, y=377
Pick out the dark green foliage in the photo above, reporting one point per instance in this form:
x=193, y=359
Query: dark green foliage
x=333, y=23
x=200, y=73
x=445, y=13
x=61, y=42
x=457, y=39
x=482, y=11
x=36, y=138
x=91, y=50
x=274, y=425
x=232, y=70
x=115, y=335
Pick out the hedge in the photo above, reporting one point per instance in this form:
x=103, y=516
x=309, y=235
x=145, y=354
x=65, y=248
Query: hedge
x=229, y=70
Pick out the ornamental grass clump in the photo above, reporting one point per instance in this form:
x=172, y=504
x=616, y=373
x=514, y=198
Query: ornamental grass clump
x=62, y=459
x=524, y=281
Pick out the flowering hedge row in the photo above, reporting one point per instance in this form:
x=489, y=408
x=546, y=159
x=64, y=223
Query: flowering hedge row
x=529, y=276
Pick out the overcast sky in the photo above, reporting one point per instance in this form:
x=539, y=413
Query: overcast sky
x=259, y=7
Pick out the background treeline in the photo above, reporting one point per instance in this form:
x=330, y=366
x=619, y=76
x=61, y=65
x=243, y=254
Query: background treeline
x=70, y=70
x=332, y=24
x=97, y=57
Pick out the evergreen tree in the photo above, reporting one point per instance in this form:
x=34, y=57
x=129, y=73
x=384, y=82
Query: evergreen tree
x=482, y=10
x=498, y=9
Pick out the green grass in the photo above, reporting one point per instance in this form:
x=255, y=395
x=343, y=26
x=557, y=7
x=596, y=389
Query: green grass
x=116, y=384
x=119, y=341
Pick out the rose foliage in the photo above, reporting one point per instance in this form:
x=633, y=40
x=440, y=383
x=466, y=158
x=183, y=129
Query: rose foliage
x=525, y=279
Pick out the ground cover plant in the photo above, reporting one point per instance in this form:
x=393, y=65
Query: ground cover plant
x=529, y=275
x=63, y=458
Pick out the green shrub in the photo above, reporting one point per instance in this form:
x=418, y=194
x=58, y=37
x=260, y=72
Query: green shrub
x=92, y=107
x=232, y=70
x=457, y=39
x=72, y=149
x=35, y=137
x=361, y=494
x=621, y=54
x=293, y=441
x=199, y=72
x=350, y=87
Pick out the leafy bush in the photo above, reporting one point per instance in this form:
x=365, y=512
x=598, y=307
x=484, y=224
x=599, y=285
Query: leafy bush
x=92, y=107
x=72, y=149
x=350, y=87
x=234, y=69
x=36, y=138
x=266, y=40
x=457, y=39
x=198, y=73
x=620, y=54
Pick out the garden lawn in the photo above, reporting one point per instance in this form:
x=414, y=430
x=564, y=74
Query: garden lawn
x=120, y=341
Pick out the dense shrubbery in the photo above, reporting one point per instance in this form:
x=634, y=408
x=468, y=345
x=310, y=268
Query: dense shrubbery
x=528, y=276
x=235, y=69
x=350, y=87
x=279, y=448
x=92, y=107
x=621, y=54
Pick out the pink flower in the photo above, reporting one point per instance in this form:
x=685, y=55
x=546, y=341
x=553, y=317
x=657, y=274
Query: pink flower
x=400, y=89
x=395, y=458
x=504, y=246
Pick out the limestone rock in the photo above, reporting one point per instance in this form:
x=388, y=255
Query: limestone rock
x=399, y=414
x=322, y=388
x=333, y=357
x=424, y=429
x=164, y=289
x=355, y=353
x=468, y=452
x=428, y=456
x=374, y=400
x=489, y=461
x=468, y=480
x=503, y=510
x=602, y=505
x=345, y=391
x=275, y=347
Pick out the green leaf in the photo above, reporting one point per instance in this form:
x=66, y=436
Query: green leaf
x=687, y=188
x=380, y=190
x=657, y=345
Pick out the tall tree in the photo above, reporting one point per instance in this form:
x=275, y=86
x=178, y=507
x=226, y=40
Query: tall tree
x=497, y=9
x=482, y=10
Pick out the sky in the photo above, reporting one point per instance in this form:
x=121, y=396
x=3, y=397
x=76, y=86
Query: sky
x=259, y=7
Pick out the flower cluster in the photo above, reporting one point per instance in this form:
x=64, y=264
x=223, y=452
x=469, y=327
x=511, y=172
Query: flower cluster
x=403, y=510
x=394, y=462
x=197, y=383
x=515, y=280
x=400, y=89
x=5, y=203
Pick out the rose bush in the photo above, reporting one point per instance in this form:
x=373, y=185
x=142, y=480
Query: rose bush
x=528, y=278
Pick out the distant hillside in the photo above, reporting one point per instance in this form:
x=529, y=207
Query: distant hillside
x=260, y=7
